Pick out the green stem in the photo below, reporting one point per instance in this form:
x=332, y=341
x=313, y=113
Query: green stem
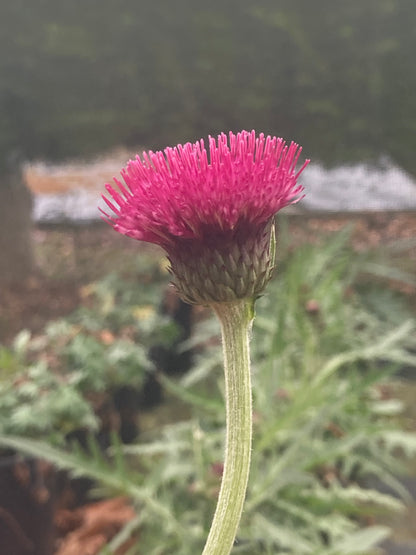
x=236, y=319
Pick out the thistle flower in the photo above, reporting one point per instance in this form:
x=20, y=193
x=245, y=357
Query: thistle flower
x=213, y=214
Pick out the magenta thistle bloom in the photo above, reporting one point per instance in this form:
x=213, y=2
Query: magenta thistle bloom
x=213, y=214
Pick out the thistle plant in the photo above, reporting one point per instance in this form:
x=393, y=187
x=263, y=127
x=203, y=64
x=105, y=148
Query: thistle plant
x=212, y=211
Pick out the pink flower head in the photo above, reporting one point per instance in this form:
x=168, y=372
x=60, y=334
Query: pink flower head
x=186, y=199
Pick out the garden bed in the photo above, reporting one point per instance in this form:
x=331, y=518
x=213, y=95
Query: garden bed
x=70, y=259
x=70, y=256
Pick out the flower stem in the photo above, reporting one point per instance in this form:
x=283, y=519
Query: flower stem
x=236, y=320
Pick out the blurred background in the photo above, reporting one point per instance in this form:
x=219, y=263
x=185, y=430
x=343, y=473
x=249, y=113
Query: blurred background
x=86, y=84
x=79, y=78
x=82, y=78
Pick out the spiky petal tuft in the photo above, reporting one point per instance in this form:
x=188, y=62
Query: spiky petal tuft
x=210, y=209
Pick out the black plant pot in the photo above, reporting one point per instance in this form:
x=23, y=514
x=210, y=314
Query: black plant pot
x=27, y=493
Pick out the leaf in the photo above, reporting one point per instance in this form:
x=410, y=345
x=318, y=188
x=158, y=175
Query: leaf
x=187, y=395
x=391, y=407
x=21, y=342
x=281, y=535
x=361, y=541
x=398, y=439
x=94, y=465
x=389, y=272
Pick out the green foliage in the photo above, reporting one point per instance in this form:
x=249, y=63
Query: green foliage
x=39, y=403
x=46, y=381
x=328, y=426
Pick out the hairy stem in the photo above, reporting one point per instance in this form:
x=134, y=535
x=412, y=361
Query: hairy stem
x=236, y=319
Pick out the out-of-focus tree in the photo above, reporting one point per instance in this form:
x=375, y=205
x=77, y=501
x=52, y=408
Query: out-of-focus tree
x=350, y=66
x=337, y=76
x=16, y=253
